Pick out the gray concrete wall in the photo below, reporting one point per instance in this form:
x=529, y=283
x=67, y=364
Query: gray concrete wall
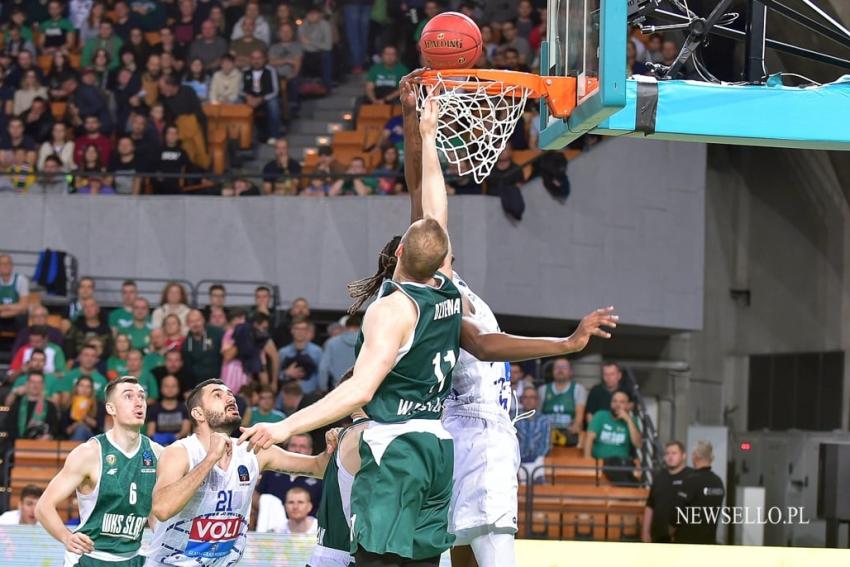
x=631, y=234
x=776, y=225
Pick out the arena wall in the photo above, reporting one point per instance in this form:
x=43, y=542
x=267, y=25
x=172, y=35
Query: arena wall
x=631, y=234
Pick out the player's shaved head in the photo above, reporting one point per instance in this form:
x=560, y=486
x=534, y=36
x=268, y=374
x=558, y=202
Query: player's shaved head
x=423, y=248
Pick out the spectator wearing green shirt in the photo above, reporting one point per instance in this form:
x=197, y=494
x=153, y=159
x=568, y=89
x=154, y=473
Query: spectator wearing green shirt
x=202, y=348
x=382, y=79
x=122, y=318
x=354, y=185
x=36, y=364
x=145, y=378
x=116, y=364
x=87, y=366
x=107, y=40
x=156, y=351
x=140, y=330
x=57, y=33
x=264, y=411
x=613, y=434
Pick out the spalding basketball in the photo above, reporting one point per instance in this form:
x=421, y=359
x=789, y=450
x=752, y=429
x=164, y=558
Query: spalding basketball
x=451, y=41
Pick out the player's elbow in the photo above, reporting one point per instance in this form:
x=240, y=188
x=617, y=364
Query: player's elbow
x=41, y=509
x=161, y=510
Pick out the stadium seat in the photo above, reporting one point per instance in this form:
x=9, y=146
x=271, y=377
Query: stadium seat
x=236, y=119
x=566, y=467
x=374, y=116
x=152, y=37
x=623, y=527
x=349, y=140
x=218, y=150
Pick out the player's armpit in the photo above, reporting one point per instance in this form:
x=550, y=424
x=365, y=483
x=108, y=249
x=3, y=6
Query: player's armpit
x=276, y=459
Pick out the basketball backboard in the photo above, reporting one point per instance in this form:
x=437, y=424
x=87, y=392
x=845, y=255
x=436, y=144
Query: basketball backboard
x=585, y=39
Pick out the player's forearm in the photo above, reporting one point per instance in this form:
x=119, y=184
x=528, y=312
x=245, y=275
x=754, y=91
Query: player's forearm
x=413, y=162
x=435, y=203
x=47, y=516
x=169, y=500
x=295, y=463
x=498, y=347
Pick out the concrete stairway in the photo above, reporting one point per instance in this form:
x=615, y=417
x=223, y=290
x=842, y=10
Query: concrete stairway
x=318, y=120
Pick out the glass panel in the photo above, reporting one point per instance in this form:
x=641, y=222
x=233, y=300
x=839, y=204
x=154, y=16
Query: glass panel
x=589, y=79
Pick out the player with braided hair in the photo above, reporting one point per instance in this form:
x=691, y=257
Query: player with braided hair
x=484, y=504
x=408, y=345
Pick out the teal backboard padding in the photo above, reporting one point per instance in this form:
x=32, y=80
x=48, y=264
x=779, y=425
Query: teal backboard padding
x=764, y=115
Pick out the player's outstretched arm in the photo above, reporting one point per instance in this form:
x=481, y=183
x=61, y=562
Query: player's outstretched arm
x=175, y=483
x=412, y=144
x=79, y=466
x=435, y=203
x=276, y=459
x=386, y=324
x=497, y=347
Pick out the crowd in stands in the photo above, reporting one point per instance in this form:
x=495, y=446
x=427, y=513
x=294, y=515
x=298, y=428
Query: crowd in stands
x=278, y=363
x=94, y=92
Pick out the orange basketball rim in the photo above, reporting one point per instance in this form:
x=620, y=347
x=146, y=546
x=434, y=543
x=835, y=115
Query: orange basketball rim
x=558, y=92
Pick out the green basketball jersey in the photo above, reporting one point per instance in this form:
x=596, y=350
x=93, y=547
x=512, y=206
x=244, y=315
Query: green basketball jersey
x=422, y=377
x=560, y=407
x=334, y=532
x=9, y=291
x=116, y=512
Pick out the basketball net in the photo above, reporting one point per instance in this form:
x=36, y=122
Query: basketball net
x=476, y=119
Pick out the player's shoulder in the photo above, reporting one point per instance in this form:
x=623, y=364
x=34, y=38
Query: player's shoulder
x=155, y=447
x=84, y=455
x=176, y=450
x=390, y=308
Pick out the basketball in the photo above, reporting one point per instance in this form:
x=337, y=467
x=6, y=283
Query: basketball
x=451, y=41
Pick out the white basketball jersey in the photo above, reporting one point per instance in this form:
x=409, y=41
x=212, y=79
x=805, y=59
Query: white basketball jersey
x=211, y=530
x=486, y=385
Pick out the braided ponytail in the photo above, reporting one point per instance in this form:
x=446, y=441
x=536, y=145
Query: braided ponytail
x=362, y=290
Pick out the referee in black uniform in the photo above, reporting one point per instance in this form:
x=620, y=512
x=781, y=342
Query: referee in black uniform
x=702, y=491
x=659, y=514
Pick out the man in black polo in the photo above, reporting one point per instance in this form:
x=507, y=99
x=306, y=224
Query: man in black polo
x=659, y=514
x=700, y=499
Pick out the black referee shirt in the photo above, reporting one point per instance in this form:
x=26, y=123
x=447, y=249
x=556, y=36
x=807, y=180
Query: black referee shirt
x=662, y=500
x=703, y=490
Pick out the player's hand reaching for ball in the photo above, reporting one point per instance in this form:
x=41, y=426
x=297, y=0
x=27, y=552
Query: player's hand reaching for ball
x=259, y=437
x=428, y=118
x=78, y=543
x=594, y=325
x=407, y=87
